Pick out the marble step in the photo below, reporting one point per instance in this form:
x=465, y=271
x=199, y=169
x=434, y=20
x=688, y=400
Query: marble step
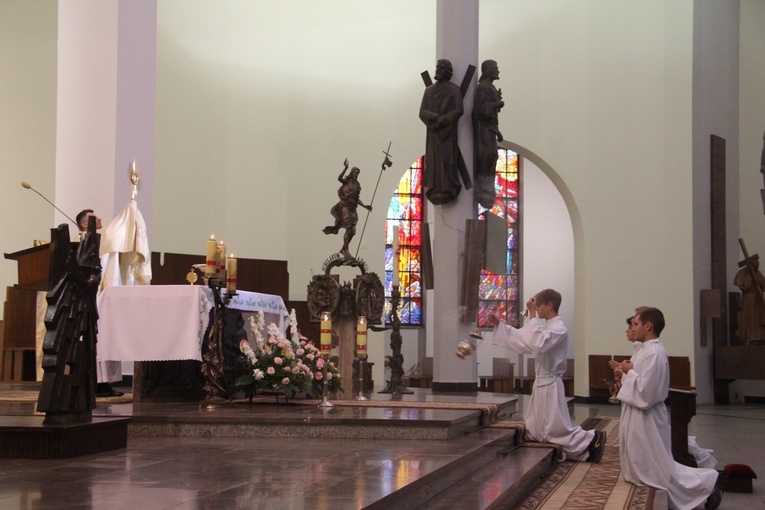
x=502, y=483
x=483, y=474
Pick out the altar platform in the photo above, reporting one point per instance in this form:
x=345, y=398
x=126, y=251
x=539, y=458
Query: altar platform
x=421, y=415
x=296, y=455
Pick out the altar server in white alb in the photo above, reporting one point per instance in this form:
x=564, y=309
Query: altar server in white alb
x=644, y=431
x=547, y=417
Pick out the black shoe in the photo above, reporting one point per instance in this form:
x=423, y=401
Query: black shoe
x=714, y=499
x=597, y=447
x=106, y=390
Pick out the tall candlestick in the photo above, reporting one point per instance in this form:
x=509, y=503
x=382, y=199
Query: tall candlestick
x=361, y=337
x=231, y=275
x=395, y=256
x=326, y=334
x=212, y=249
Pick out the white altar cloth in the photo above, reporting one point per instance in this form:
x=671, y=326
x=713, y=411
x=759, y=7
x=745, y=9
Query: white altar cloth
x=167, y=322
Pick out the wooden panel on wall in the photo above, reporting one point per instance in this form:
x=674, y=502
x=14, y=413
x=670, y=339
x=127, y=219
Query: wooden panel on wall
x=20, y=316
x=254, y=275
x=719, y=255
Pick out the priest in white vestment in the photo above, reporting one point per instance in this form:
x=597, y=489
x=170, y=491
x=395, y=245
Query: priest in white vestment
x=644, y=432
x=547, y=417
x=125, y=260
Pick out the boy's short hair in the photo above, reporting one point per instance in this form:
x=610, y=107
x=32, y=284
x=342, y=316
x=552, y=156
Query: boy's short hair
x=549, y=296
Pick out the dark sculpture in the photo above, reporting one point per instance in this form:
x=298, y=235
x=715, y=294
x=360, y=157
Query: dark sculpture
x=441, y=110
x=751, y=315
x=370, y=297
x=68, y=389
x=344, y=211
x=486, y=106
x=323, y=295
x=217, y=384
x=396, y=360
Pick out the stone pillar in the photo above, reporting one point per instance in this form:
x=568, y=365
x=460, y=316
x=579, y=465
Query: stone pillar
x=457, y=41
x=105, y=105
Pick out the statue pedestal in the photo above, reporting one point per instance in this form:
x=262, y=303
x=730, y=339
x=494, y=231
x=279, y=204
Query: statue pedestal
x=345, y=327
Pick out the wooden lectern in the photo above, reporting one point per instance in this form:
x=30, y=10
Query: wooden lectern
x=19, y=346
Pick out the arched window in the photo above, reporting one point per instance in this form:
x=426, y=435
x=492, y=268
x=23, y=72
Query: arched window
x=406, y=213
x=498, y=294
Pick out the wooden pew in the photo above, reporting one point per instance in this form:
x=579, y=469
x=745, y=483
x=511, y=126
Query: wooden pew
x=682, y=407
x=501, y=380
x=600, y=372
x=524, y=383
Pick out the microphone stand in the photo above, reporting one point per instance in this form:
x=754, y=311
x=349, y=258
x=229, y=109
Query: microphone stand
x=26, y=185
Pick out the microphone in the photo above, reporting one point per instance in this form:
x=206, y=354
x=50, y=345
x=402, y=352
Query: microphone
x=25, y=184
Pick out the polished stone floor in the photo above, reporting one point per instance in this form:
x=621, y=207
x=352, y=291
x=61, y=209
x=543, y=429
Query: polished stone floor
x=295, y=473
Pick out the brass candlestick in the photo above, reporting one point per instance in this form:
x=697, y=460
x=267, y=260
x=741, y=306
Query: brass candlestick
x=324, y=400
x=361, y=396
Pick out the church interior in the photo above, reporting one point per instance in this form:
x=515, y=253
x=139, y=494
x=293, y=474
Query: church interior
x=636, y=130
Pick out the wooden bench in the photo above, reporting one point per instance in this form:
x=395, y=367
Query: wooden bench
x=501, y=380
x=523, y=383
x=18, y=364
x=422, y=374
x=682, y=407
x=600, y=374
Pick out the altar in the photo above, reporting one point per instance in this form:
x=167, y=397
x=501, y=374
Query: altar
x=168, y=322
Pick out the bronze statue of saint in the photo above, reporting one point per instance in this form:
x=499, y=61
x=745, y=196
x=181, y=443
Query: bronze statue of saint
x=751, y=314
x=441, y=110
x=487, y=103
x=344, y=211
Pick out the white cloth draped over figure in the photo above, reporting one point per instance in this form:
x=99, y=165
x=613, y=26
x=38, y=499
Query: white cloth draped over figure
x=645, y=447
x=125, y=260
x=547, y=417
x=125, y=253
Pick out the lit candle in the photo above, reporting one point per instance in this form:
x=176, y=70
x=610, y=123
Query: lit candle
x=231, y=275
x=212, y=249
x=221, y=258
x=395, y=256
x=326, y=334
x=361, y=337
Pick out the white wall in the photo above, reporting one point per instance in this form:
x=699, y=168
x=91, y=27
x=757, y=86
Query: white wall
x=258, y=103
x=27, y=126
x=601, y=92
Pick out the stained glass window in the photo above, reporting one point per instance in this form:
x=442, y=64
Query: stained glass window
x=406, y=213
x=498, y=294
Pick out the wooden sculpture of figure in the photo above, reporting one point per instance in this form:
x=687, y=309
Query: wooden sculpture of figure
x=486, y=106
x=68, y=389
x=441, y=110
x=344, y=211
x=751, y=315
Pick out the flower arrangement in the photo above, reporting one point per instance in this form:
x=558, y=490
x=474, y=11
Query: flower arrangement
x=276, y=363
